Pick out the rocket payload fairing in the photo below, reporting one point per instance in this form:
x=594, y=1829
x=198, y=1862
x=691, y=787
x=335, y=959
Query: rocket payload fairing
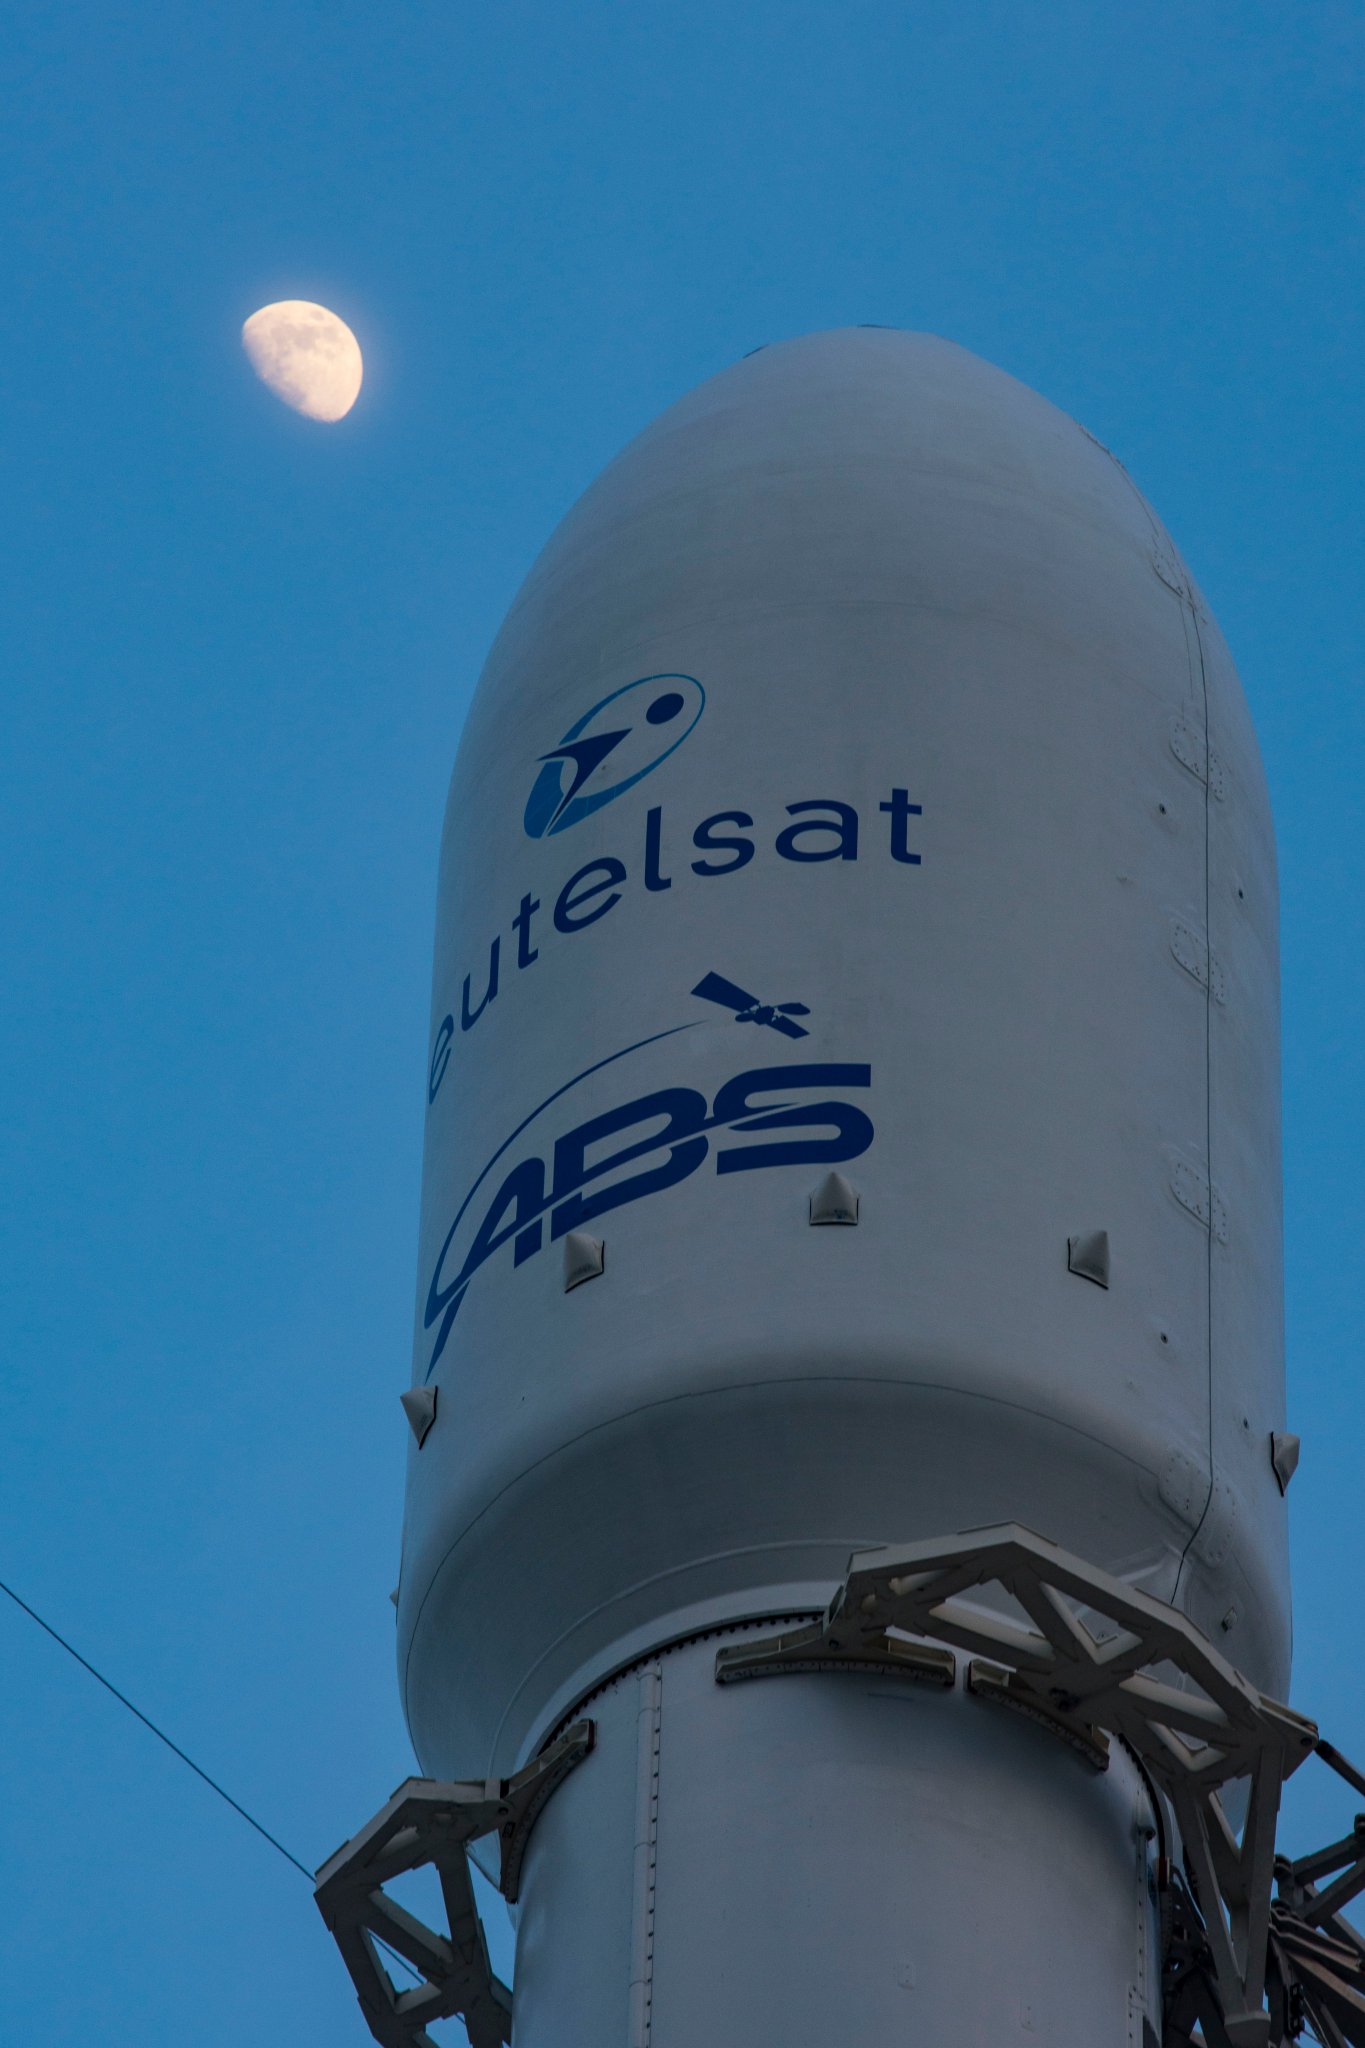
x=852, y=1127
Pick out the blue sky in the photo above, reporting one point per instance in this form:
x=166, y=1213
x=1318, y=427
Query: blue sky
x=238, y=650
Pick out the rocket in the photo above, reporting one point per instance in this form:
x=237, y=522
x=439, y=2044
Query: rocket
x=844, y=1589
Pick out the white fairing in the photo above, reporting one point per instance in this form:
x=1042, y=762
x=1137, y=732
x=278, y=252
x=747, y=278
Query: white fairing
x=1029, y=907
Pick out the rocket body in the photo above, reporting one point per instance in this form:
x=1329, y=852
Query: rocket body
x=858, y=785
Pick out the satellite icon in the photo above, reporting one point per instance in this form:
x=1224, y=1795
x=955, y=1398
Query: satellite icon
x=714, y=988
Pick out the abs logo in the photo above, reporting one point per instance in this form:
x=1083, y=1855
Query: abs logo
x=612, y=747
x=787, y=1115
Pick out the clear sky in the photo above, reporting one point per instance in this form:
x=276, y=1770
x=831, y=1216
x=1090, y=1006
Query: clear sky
x=237, y=649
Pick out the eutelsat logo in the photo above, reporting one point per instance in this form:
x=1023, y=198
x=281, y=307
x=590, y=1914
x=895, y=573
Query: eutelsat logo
x=612, y=747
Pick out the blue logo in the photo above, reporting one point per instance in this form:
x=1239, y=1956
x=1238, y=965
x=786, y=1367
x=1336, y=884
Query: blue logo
x=611, y=748
x=644, y=1145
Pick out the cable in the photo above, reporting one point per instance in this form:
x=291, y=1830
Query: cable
x=176, y=1750
x=159, y=1733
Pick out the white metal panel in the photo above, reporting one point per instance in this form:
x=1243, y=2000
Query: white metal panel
x=835, y=1859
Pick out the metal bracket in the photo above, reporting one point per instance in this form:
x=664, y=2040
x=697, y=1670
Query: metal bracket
x=1090, y=1657
x=828, y=1646
x=428, y=1821
x=1189, y=1996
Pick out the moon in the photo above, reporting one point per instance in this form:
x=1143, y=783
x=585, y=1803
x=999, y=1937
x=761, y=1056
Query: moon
x=307, y=356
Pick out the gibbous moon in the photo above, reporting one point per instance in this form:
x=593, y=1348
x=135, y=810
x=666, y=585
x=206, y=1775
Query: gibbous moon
x=307, y=356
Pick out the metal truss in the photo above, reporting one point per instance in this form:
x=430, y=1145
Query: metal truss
x=1082, y=1654
x=1315, y=1964
x=1317, y=1959
x=429, y=1822
x=1090, y=1659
